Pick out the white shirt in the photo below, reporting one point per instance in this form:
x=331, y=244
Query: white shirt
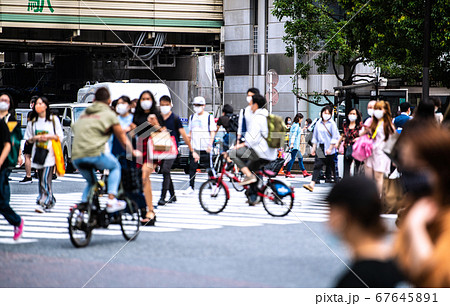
x=43, y=127
x=248, y=119
x=200, y=134
x=256, y=134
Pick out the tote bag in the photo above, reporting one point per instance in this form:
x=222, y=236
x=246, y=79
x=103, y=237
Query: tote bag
x=59, y=157
x=154, y=152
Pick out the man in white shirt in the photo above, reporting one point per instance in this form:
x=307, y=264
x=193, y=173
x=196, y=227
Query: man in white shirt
x=202, y=129
x=255, y=148
x=245, y=115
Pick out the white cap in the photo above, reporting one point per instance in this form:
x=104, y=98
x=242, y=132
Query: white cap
x=199, y=100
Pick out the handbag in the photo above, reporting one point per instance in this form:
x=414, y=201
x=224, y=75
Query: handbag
x=40, y=154
x=390, y=144
x=155, y=154
x=161, y=141
x=363, y=146
x=59, y=157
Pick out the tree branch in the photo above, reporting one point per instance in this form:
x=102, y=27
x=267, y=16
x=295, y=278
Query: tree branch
x=314, y=102
x=333, y=62
x=362, y=75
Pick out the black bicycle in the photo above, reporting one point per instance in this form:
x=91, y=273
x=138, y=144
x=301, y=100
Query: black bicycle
x=85, y=217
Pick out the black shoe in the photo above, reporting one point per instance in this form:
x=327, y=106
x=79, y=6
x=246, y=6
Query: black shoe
x=172, y=199
x=162, y=202
x=54, y=177
x=35, y=175
x=26, y=180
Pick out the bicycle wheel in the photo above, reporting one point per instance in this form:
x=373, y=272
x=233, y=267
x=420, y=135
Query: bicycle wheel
x=130, y=221
x=213, y=198
x=278, y=199
x=79, y=230
x=235, y=184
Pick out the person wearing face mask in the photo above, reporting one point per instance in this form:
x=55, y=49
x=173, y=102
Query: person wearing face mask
x=437, y=109
x=352, y=127
x=370, y=106
x=6, y=146
x=245, y=115
x=294, y=146
x=173, y=124
x=146, y=110
x=404, y=117
x=202, y=128
x=423, y=240
x=40, y=132
x=324, y=140
x=378, y=164
x=355, y=210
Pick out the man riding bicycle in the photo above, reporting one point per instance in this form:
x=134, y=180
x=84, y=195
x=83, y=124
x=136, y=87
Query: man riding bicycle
x=91, y=132
x=255, y=149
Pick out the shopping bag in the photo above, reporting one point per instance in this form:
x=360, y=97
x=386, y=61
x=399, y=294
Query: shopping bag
x=59, y=157
x=161, y=141
x=392, y=195
x=155, y=152
x=362, y=148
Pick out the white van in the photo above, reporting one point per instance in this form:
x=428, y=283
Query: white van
x=118, y=89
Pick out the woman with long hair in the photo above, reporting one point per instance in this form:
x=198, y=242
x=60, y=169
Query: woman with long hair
x=381, y=128
x=294, y=145
x=40, y=132
x=352, y=128
x=423, y=242
x=146, y=118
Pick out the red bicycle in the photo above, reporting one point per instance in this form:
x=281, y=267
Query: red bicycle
x=277, y=196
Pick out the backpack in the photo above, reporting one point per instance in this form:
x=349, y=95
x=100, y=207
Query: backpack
x=277, y=131
x=234, y=123
x=16, y=138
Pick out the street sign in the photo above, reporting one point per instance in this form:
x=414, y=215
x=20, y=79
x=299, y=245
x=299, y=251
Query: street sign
x=275, y=96
x=274, y=80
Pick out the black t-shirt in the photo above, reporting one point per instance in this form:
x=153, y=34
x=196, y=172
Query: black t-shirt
x=224, y=121
x=5, y=137
x=173, y=124
x=376, y=274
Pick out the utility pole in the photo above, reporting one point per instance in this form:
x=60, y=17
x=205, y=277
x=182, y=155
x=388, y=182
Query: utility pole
x=426, y=52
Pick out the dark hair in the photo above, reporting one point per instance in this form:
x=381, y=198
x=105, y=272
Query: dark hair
x=359, y=196
x=102, y=95
x=328, y=108
x=308, y=120
x=358, y=117
x=436, y=101
x=298, y=117
x=404, y=107
x=140, y=116
x=125, y=99
x=253, y=90
x=165, y=98
x=11, y=102
x=228, y=109
x=286, y=120
x=114, y=103
x=47, y=112
x=260, y=100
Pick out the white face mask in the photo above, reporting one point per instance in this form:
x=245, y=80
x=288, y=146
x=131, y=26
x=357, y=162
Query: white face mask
x=249, y=99
x=122, y=109
x=4, y=106
x=198, y=109
x=132, y=110
x=146, y=104
x=165, y=109
x=326, y=117
x=378, y=113
x=370, y=112
x=352, y=118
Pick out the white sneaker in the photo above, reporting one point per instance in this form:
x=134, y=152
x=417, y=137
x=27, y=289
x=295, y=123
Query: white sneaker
x=113, y=205
x=188, y=191
x=39, y=209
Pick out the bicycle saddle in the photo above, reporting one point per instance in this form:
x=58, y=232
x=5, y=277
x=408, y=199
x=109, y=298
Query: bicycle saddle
x=269, y=173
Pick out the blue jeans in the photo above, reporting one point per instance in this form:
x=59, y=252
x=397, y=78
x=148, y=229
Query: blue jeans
x=87, y=166
x=5, y=195
x=294, y=154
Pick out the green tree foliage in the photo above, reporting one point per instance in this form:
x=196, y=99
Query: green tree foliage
x=390, y=33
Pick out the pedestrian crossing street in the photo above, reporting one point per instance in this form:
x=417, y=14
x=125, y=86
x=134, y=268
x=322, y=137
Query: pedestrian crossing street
x=186, y=214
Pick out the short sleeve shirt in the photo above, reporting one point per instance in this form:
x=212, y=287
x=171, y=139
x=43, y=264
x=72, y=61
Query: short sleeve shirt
x=173, y=124
x=224, y=121
x=92, y=130
x=200, y=132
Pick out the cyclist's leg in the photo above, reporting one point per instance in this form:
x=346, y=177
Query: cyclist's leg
x=108, y=161
x=87, y=172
